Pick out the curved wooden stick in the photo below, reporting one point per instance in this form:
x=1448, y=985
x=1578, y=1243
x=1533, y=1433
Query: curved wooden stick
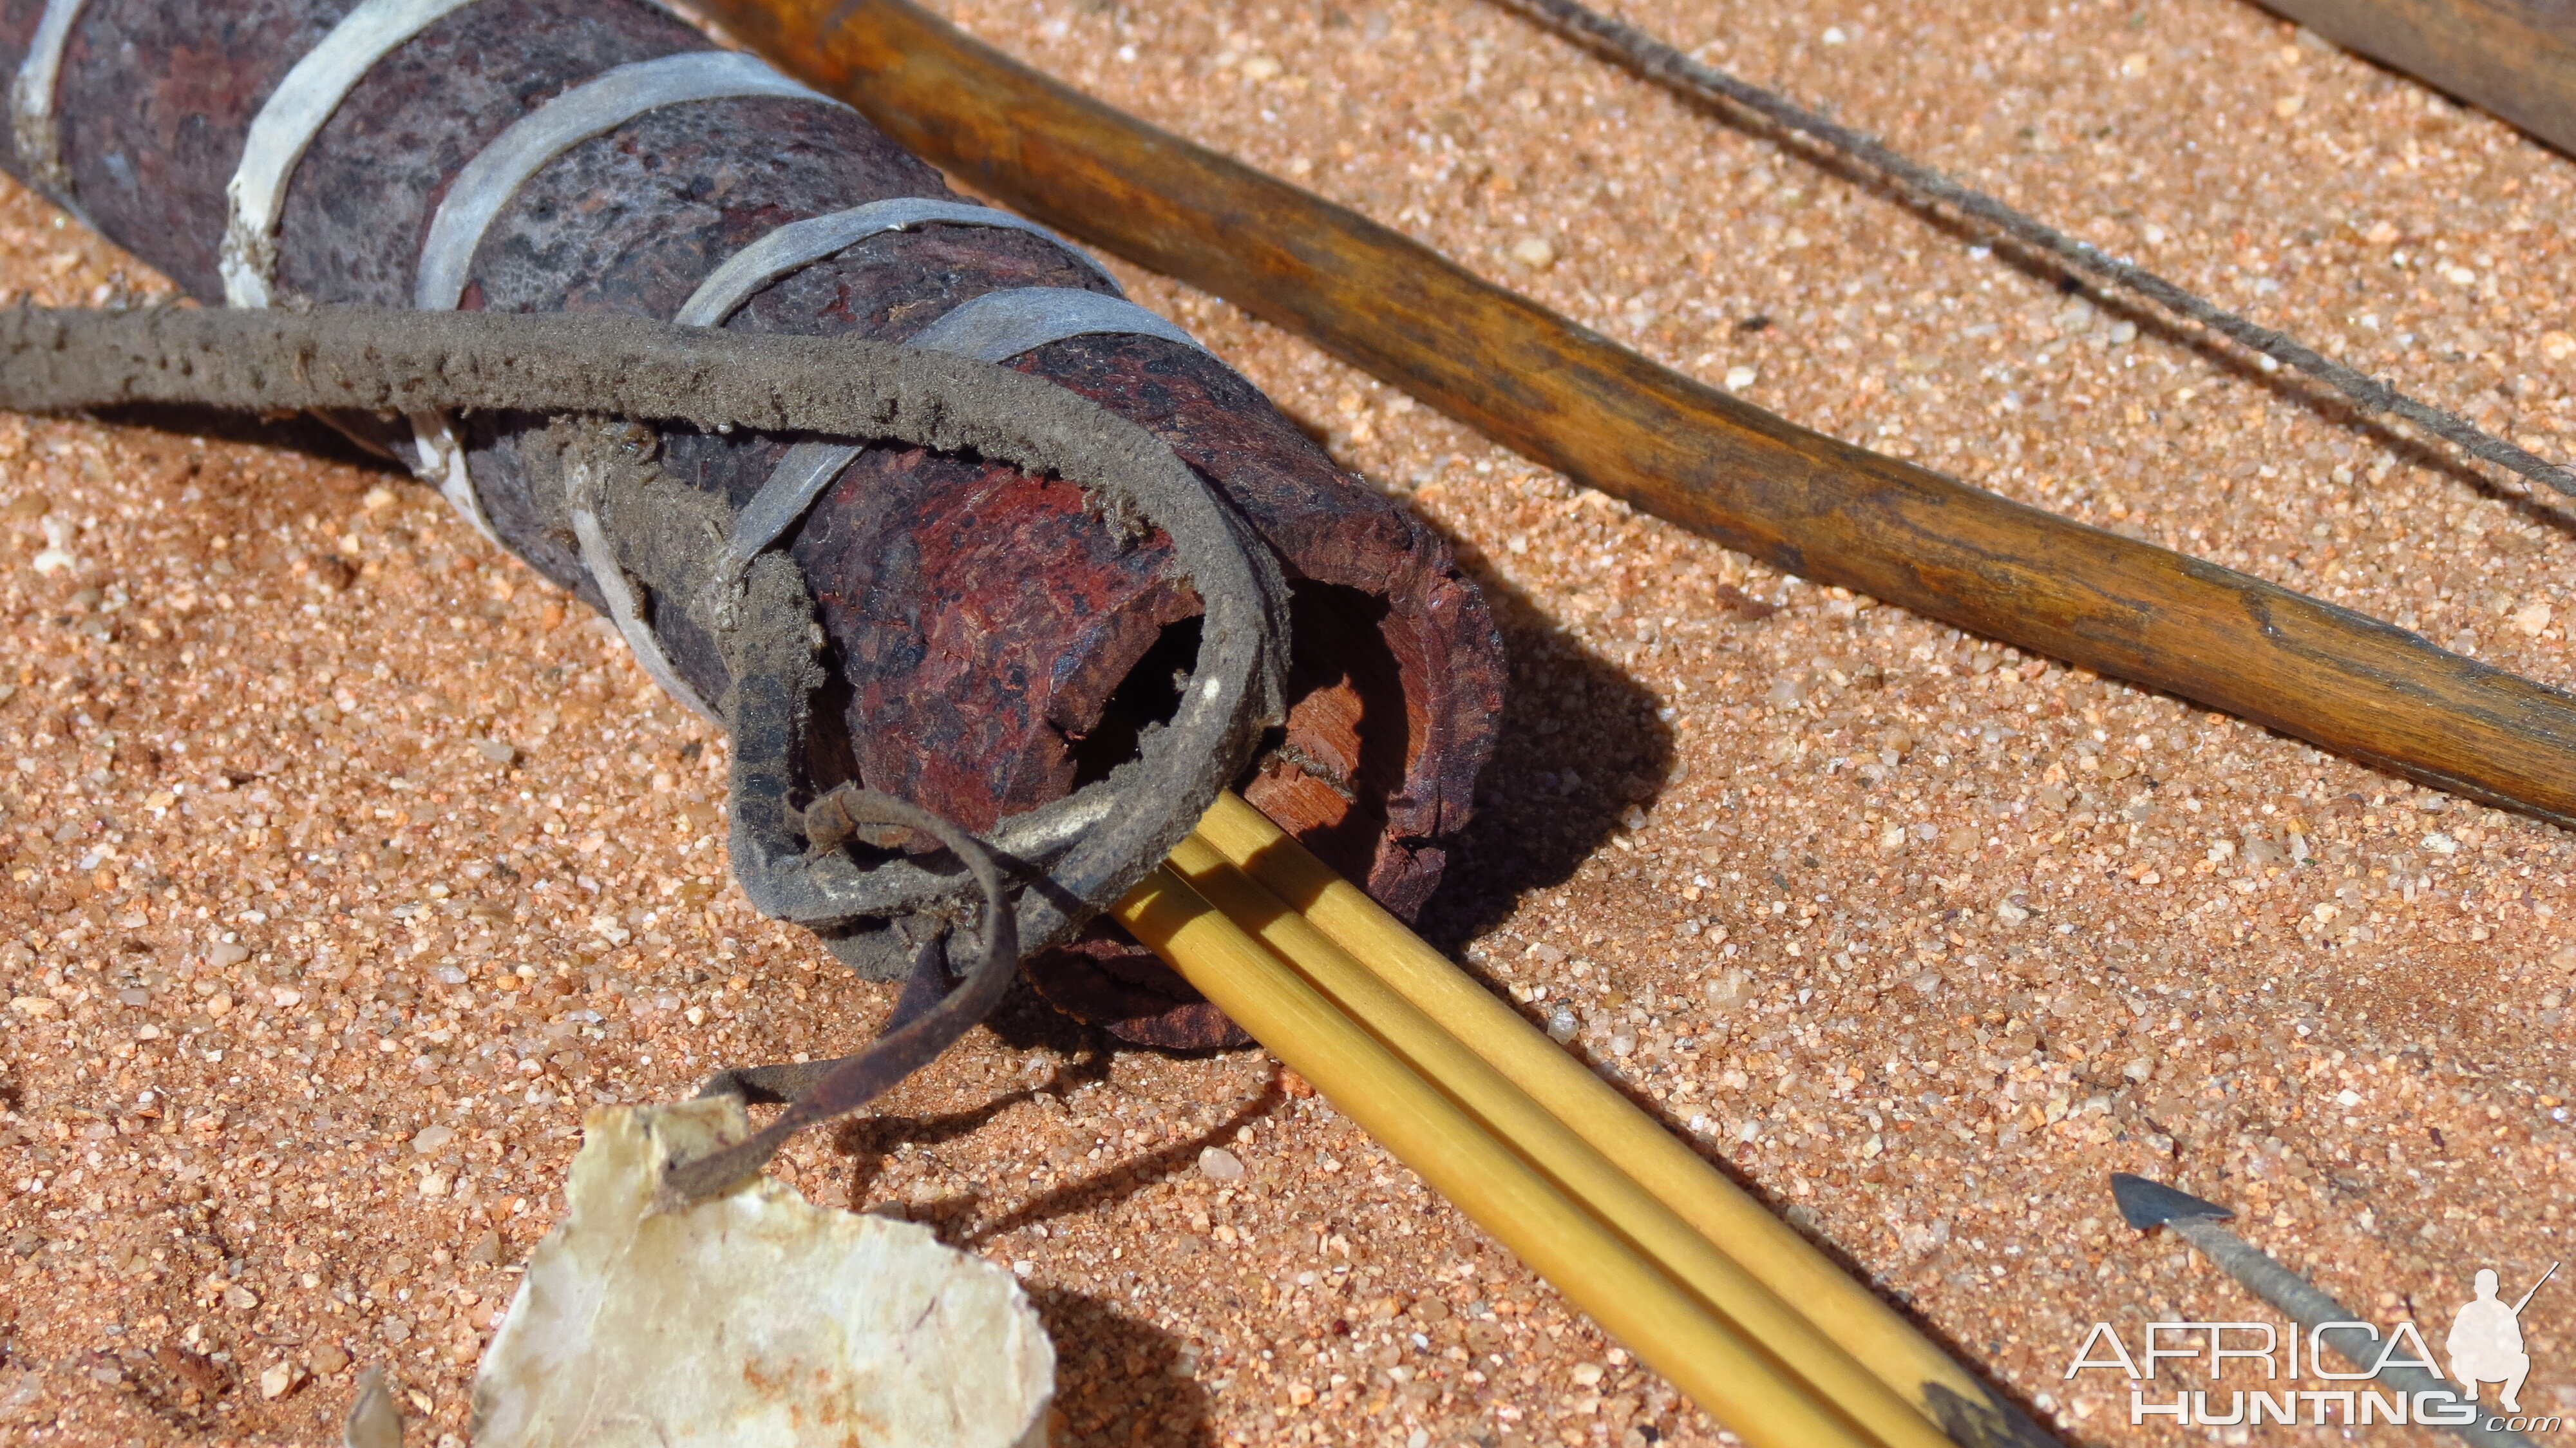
x=2517, y=58
x=1568, y=397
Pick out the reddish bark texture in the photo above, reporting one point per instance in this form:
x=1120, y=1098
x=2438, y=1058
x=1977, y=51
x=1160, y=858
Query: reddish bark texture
x=987, y=630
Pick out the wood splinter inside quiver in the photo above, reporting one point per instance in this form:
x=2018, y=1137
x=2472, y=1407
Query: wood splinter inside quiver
x=991, y=643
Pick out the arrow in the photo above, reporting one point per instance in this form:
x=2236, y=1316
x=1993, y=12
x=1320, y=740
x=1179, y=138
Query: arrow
x=2147, y=1205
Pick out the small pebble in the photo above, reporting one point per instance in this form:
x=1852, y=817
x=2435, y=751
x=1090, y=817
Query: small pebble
x=1218, y=1164
x=1730, y=990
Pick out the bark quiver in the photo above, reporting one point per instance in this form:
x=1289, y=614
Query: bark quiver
x=991, y=643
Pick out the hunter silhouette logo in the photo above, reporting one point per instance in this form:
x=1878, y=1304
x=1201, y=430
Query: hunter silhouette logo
x=2485, y=1345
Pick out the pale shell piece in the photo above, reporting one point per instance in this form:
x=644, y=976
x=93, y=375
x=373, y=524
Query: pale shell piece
x=753, y=1319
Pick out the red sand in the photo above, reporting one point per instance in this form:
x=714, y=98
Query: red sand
x=305, y=992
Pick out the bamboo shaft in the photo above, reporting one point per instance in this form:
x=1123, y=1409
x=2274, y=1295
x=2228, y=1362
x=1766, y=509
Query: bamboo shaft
x=1672, y=446
x=1453, y=1152
x=1577, y=1167
x=1870, y=1331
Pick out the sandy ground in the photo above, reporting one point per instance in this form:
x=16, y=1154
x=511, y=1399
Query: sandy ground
x=346, y=862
